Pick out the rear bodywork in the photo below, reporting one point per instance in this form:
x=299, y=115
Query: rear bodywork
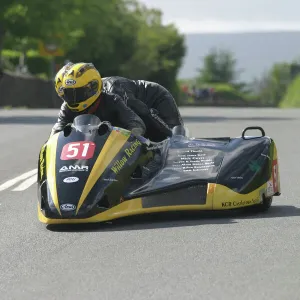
x=195, y=174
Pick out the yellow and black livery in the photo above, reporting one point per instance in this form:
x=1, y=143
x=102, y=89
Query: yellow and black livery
x=195, y=174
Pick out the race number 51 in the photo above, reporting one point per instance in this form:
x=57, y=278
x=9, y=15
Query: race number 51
x=78, y=150
x=275, y=175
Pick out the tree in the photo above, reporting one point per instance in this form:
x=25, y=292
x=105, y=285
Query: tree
x=291, y=97
x=159, y=50
x=5, y=4
x=218, y=67
x=121, y=37
x=109, y=39
x=26, y=22
x=273, y=85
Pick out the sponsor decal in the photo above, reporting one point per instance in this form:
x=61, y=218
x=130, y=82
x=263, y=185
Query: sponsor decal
x=73, y=168
x=71, y=179
x=270, y=188
x=42, y=161
x=275, y=175
x=110, y=179
x=78, y=150
x=240, y=203
x=119, y=164
x=143, y=140
x=171, y=178
x=254, y=166
x=69, y=82
x=122, y=131
x=68, y=207
x=190, y=145
x=237, y=178
x=155, y=147
x=182, y=151
x=261, y=195
x=211, y=188
x=125, y=97
x=156, y=117
x=131, y=150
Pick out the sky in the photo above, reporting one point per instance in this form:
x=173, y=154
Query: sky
x=222, y=16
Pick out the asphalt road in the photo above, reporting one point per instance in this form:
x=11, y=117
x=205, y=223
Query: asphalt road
x=232, y=256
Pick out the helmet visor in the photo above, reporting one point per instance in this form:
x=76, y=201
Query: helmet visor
x=74, y=96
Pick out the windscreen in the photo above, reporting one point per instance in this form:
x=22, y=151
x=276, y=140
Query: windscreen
x=86, y=123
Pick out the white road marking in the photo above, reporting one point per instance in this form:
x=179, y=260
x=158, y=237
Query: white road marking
x=26, y=184
x=13, y=181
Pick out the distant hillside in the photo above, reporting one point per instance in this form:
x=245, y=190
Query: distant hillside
x=255, y=52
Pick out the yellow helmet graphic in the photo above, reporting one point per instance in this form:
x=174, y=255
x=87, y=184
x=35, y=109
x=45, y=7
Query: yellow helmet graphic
x=59, y=79
x=82, y=85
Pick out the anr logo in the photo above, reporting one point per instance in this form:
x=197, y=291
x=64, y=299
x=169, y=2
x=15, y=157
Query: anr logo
x=71, y=179
x=70, y=82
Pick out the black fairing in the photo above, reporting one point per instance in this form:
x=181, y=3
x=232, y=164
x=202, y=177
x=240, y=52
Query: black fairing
x=240, y=164
x=67, y=191
x=107, y=190
x=246, y=165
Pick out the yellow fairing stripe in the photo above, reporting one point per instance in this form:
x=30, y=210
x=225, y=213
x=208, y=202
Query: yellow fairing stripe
x=216, y=194
x=50, y=168
x=111, y=148
x=124, y=209
x=224, y=194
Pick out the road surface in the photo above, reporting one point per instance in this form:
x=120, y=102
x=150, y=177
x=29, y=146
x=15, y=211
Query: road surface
x=233, y=256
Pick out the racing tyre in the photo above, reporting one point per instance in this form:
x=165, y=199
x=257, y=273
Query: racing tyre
x=264, y=206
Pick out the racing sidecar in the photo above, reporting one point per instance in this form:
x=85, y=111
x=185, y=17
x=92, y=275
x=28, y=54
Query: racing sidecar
x=92, y=172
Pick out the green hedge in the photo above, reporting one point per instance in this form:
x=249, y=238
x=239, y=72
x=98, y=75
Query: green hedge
x=292, y=95
x=36, y=64
x=223, y=92
x=226, y=92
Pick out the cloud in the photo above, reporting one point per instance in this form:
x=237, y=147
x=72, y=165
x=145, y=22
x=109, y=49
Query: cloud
x=216, y=26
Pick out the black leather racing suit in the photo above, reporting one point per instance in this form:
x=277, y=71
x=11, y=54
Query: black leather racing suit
x=108, y=107
x=152, y=102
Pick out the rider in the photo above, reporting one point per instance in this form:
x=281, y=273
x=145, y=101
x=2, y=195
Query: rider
x=80, y=87
x=151, y=102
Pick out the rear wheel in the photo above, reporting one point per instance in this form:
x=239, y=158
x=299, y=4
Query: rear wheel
x=264, y=206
